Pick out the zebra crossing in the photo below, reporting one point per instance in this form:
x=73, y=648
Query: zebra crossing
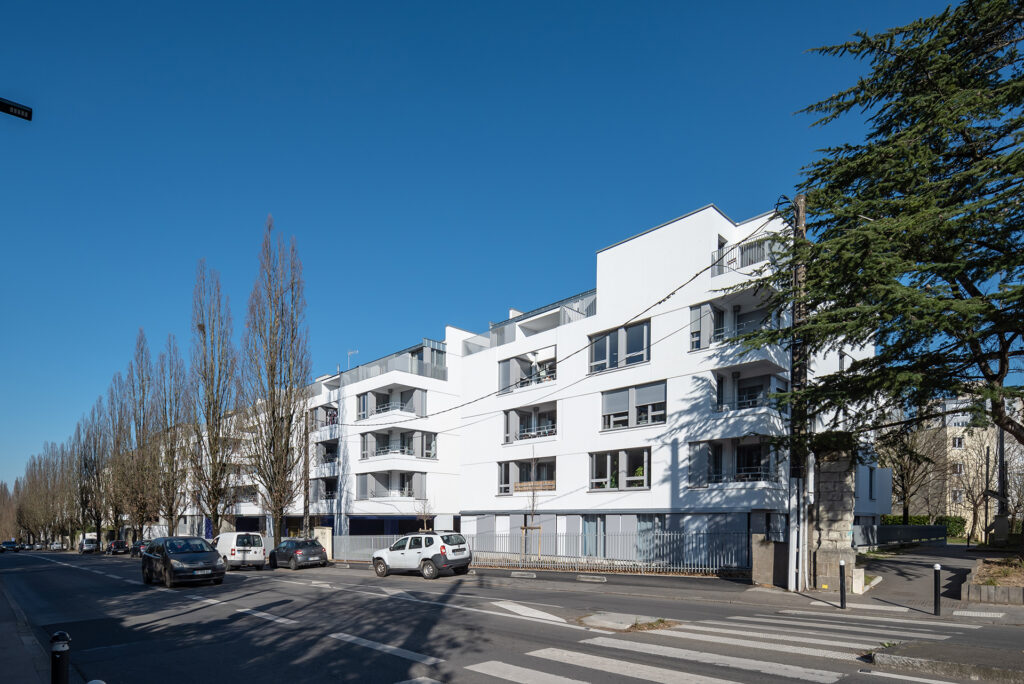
x=737, y=648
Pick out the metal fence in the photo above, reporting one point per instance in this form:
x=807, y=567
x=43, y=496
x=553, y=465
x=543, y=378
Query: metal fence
x=639, y=553
x=876, y=535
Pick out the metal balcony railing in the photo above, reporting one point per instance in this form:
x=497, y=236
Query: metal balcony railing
x=760, y=473
x=535, y=432
x=745, y=402
x=738, y=256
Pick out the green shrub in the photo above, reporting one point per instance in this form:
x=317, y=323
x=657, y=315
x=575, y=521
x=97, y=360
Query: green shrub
x=956, y=525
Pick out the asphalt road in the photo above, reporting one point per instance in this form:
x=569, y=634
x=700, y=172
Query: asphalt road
x=341, y=625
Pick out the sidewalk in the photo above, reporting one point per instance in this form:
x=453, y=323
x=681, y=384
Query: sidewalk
x=23, y=658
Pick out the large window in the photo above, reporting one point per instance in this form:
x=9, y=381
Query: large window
x=634, y=340
x=504, y=479
x=633, y=406
x=530, y=475
x=621, y=469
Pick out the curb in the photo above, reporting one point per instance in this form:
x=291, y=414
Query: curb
x=943, y=668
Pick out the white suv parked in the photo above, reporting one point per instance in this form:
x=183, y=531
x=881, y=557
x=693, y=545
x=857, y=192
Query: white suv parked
x=427, y=552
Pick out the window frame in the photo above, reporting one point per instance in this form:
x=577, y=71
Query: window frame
x=618, y=355
x=630, y=418
x=620, y=476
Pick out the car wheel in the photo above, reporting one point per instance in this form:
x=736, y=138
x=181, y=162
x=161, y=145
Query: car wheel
x=227, y=566
x=428, y=570
x=292, y=564
x=380, y=567
x=323, y=564
x=168, y=579
x=273, y=562
x=461, y=571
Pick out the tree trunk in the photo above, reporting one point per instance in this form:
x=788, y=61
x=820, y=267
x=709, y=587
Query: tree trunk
x=906, y=511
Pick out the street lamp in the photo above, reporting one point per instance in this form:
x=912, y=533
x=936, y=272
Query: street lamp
x=14, y=109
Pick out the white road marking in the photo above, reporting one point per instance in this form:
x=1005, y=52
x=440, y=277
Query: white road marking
x=161, y=588
x=393, y=592
x=419, y=680
x=872, y=618
x=743, y=631
x=904, y=678
x=525, y=610
x=131, y=581
x=865, y=606
x=266, y=616
x=387, y=648
x=514, y=673
x=977, y=613
x=764, y=667
x=820, y=625
x=623, y=668
x=205, y=600
x=761, y=645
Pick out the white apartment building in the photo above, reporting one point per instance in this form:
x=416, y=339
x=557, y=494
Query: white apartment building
x=618, y=410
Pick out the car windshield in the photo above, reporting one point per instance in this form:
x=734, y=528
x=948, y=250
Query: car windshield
x=453, y=539
x=249, y=540
x=195, y=545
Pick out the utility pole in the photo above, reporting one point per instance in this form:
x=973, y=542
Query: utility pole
x=799, y=470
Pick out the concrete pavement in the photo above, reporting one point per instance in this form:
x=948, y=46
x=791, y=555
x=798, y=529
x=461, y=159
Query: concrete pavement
x=471, y=628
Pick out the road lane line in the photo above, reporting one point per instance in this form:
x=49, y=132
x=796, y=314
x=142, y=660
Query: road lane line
x=623, y=668
x=977, y=613
x=872, y=618
x=743, y=631
x=525, y=610
x=514, y=673
x=905, y=678
x=820, y=625
x=879, y=636
x=865, y=606
x=768, y=668
x=266, y=616
x=387, y=648
x=761, y=645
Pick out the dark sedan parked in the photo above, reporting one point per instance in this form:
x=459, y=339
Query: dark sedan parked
x=117, y=546
x=298, y=552
x=10, y=546
x=181, y=559
x=139, y=547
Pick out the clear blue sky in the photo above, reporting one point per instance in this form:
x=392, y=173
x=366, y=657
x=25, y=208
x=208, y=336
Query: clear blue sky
x=437, y=162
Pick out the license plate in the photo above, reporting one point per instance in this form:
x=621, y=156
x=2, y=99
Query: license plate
x=314, y=558
x=202, y=572
x=458, y=551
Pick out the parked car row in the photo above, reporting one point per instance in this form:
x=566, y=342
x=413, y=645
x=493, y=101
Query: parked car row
x=11, y=545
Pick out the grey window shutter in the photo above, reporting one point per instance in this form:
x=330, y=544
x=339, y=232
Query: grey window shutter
x=361, y=486
x=698, y=465
x=650, y=394
x=615, y=401
x=706, y=327
x=504, y=375
x=418, y=485
x=695, y=321
x=421, y=402
x=407, y=399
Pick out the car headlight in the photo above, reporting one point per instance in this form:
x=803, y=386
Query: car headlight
x=177, y=564
x=220, y=562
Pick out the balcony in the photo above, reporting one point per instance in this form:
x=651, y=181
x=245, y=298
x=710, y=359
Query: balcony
x=743, y=474
x=411, y=443
x=391, y=484
x=426, y=360
x=324, y=470
x=731, y=258
x=531, y=422
x=535, y=368
x=748, y=402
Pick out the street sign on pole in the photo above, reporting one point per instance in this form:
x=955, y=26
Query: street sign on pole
x=14, y=109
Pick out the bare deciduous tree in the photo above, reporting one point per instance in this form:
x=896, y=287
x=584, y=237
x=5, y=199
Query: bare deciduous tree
x=275, y=375
x=213, y=399
x=910, y=453
x=92, y=447
x=171, y=400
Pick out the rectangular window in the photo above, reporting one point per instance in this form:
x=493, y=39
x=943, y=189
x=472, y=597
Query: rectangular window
x=361, y=406
x=958, y=442
x=751, y=465
x=694, y=328
x=753, y=252
x=633, y=406
x=751, y=393
x=715, y=472
x=958, y=468
x=718, y=325
x=621, y=469
x=957, y=496
x=634, y=340
x=871, y=483
x=504, y=480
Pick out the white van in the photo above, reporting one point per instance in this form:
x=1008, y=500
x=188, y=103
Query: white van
x=241, y=548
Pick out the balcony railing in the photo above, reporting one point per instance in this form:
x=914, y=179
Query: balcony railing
x=537, y=378
x=389, y=451
x=535, y=486
x=535, y=432
x=746, y=402
x=324, y=422
x=745, y=474
x=386, y=408
x=738, y=256
x=725, y=332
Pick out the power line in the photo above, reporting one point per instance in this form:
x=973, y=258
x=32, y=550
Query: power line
x=587, y=346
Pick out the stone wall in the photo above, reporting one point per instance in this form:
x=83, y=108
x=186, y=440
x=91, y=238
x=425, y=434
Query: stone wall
x=832, y=524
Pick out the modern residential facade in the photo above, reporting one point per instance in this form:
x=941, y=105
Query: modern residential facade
x=619, y=410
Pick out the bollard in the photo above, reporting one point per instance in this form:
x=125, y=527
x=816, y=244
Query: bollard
x=842, y=584
x=60, y=657
x=938, y=582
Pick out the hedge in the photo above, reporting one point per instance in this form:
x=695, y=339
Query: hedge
x=956, y=525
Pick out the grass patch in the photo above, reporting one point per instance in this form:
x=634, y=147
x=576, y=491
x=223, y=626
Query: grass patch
x=868, y=579
x=660, y=623
x=1001, y=572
